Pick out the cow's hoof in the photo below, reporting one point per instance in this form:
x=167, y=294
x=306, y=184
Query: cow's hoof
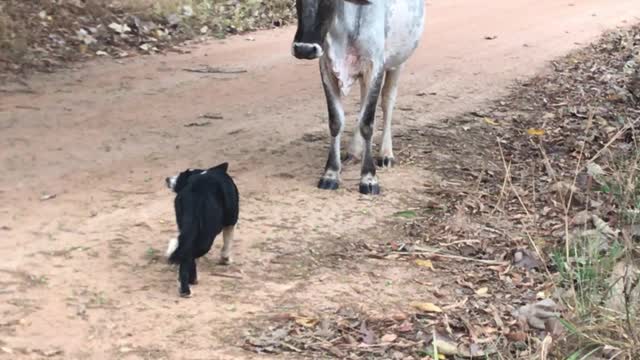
x=328, y=184
x=224, y=261
x=369, y=185
x=369, y=189
x=386, y=162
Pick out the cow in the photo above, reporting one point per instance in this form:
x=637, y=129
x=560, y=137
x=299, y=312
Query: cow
x=365, y=40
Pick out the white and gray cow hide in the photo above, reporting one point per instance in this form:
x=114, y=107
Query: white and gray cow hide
x=360, y=40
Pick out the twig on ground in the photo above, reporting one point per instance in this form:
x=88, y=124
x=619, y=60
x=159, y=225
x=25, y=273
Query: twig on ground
x=452, y=257
x=131, y=192
x=504, y=187
x=613, y=138
x=547, y=163
x=291, y=347
x=526, y=230
x=508, y=177
x=231, y=276
x=198, y=124
x=215, y=70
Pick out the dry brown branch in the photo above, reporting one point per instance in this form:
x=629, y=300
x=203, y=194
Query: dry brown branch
x=613, y=138
x=452, y=257
x=231, y=276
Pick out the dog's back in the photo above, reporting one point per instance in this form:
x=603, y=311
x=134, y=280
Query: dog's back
x=204, y=207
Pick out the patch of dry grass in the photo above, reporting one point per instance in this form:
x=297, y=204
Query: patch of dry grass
x=44, y=35
x=13, y=39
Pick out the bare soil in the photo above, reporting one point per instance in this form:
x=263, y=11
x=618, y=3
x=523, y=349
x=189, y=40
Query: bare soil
x=84, y=215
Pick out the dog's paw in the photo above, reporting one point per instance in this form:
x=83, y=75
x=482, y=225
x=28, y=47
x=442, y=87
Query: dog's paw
x=224, y=261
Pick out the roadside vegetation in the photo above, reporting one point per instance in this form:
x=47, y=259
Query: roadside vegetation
x=45, y=35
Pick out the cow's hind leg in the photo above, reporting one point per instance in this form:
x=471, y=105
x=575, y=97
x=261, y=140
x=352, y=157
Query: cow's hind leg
x=389, y=94
x=368, y=180
x=330, y=180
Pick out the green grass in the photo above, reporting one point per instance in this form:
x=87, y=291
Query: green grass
x=598, y=268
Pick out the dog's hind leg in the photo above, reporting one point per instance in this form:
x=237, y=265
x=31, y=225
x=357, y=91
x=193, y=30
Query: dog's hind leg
x=227, y=237
x=193, y=274
x=184, y=275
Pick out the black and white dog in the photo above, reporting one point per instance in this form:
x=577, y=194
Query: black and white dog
x=206, y=204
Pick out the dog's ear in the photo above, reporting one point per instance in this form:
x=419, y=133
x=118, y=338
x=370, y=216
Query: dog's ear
x=223, y=167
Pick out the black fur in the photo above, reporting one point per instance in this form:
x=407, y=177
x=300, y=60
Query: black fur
x=205, y=204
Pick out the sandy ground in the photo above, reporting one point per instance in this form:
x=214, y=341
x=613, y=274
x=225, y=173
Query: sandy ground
x=82, y=275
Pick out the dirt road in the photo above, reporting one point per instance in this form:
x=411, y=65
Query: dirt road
x=84, y=215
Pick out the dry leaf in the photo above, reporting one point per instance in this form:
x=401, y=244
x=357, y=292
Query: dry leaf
x=490, y=121
x=405, y=327
x=525, y=259
x=545, y=347
x=482, y=291
x=535, y=315
x=623, y=277
x=425, y=263
x=426, y=307
x=603, y=227
x=535, y=132
x=581, y=218
x=445, y=344
x=456, y=305
x=389, y=338
x=517, y=336
x=47, y=197
x=306, y=321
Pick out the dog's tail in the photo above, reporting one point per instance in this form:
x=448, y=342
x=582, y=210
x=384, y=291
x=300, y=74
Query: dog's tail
x=181, y=249
x=172, y=247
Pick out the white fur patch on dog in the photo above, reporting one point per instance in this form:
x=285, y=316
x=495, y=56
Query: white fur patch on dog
x=173, y=245
x=172, y=182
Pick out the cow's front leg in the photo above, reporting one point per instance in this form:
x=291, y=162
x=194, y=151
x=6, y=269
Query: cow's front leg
x=330, y=180
x=368, y=180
